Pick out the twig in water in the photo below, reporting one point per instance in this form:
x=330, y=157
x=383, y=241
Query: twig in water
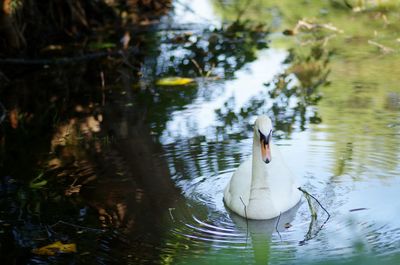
x=77, y=226
x=66, y=60
x=309, y=235
x=383, y=48
x=210, y=71
x=310, y=26
x=247, y=220
x=277, y=224
x=198, y=67
x=188, y=8
x=323, y=208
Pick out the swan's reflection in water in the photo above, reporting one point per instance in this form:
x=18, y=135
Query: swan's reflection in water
x=224, y=237
x=259, y=232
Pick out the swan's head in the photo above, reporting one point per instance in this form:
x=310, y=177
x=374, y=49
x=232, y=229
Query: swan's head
x=263, y=131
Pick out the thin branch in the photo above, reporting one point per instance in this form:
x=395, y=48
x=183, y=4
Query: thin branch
x=383, y=48
x=305, y=192
x=77, y=226
x=277, y=224
x=64, y=60
x=197, y=66
x=309, y=235
x=188, y=8
x=310, y=26
x=247, y=220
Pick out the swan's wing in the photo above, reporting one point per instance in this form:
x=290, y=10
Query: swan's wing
x=283, y=182
x=237, y=191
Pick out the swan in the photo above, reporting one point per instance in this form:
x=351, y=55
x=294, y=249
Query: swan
x=262, y=187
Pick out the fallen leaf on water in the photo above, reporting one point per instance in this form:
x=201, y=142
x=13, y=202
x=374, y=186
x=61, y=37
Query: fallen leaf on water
x=54, y=248
x=174, y=81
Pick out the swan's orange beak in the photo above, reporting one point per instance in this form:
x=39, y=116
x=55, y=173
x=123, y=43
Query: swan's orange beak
x=265, y=152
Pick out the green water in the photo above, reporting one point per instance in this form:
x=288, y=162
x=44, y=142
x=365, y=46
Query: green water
x=134, y=172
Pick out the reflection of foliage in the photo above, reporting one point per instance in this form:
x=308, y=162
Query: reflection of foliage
x=309, y=31
x=293, y=101
x=48, y=112
x=33, y=26
x=233, y=122
x=371, y=5
x=220, y=51
x=159, y=107
x=294, y=93
x=29, y=220
x=37, y=105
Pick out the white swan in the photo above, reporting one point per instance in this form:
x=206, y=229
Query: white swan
x=262, y=187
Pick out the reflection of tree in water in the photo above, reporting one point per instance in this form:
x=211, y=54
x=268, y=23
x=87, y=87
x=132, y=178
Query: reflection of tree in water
x=294, y=101
x=204, y=52
x=96, y=164
x=294, y=94
x=236, y=122
x=85, y=137
x=218, y=51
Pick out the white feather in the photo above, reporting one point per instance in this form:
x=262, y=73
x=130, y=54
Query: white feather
x=258, y=190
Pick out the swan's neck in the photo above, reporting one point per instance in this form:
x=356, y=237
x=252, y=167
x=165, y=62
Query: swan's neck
x=259, y=167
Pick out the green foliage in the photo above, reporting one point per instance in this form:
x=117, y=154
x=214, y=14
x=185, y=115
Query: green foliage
x=38, y=182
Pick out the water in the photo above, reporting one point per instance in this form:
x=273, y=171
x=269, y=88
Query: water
x=352, y=180
x=139, y=179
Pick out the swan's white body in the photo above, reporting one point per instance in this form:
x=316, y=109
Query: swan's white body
x=262, y=190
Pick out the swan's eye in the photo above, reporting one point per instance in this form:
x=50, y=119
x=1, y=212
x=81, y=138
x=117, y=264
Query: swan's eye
x=265, y=139
x=269, y=137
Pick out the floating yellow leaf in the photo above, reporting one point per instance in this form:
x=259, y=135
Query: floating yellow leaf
x=174, y=81
x=54, y=248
